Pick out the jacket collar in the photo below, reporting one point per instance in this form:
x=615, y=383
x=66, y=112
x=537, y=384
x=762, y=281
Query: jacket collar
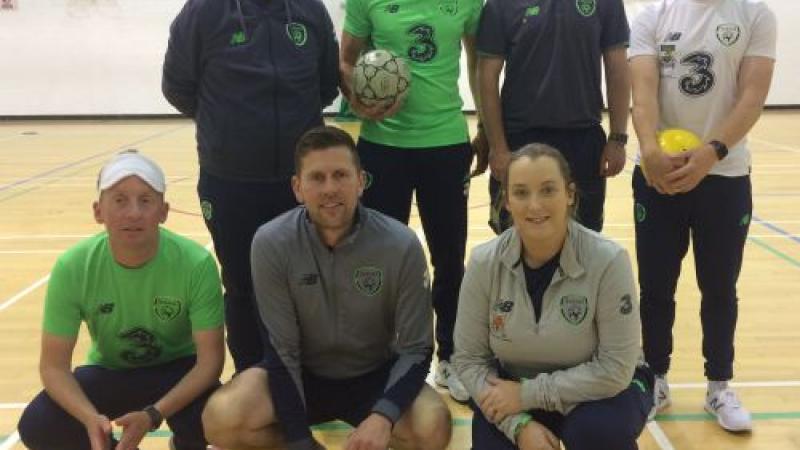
x=359, y=220
x=568, y=264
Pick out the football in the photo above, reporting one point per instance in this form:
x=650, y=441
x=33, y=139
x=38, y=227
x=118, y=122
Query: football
x=379, y=77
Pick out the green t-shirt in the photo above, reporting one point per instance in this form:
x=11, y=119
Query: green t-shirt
x=428, y=35
x=136, y=317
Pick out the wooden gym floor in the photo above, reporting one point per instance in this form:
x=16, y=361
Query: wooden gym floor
x=47, y=176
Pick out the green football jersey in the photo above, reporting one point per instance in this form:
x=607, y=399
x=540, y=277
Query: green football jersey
x=427, y=34
x=136, y=317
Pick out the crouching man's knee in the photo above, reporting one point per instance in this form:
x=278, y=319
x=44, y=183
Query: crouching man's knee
x=426, y=425
x=240, y=413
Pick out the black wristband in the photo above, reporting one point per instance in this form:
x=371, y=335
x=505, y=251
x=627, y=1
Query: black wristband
x=719, y=148
x=155, y=417
x=622, y=138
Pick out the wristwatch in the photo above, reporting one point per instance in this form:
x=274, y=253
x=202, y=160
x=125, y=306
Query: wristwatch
x=720, y=148
x=622, y=138
x=155, y=417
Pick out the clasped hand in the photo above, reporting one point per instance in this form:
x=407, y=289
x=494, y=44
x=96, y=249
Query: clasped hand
x=500, y=399
x=373, y=433
x=377, y=111
x=676, y=174
x=134, y=427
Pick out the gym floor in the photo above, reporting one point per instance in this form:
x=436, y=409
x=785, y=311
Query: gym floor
x=47, y=175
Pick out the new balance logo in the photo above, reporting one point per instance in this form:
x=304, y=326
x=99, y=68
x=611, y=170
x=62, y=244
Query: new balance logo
x=309, y=279
x=238, y=38
x=715, y=403
x=532, y=11
x=674, y=36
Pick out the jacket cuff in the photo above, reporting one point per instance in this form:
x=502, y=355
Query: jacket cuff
x=387, y=409
x=538, y=393
x=528, y=394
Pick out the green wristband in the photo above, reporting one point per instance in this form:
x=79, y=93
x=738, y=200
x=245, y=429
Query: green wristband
x=524, y=420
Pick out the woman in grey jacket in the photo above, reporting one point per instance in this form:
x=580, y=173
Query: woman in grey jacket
x=547, y=334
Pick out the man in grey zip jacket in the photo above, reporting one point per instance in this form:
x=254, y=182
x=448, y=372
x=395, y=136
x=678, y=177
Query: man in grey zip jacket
x=344, y=297
x=254, y=75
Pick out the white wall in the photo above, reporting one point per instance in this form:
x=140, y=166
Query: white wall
x=65, y=57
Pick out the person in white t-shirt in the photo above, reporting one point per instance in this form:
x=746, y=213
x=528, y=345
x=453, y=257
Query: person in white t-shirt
x=705, y=66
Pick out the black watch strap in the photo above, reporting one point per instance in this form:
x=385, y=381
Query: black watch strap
x=622, y=138
x=155, y=417
x=720, y=148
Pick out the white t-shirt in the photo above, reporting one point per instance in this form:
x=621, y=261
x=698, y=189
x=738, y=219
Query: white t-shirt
x=700, y=45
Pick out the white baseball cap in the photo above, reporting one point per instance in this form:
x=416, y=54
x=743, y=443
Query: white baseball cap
x=127, y=163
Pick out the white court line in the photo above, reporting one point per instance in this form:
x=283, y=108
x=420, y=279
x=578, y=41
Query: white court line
x=772, y=144
x=31, y=252
x=658, y=435
x=83, y=186
x=741, y=384
x=17, y=237
x=10, y=441
x=23, y=293
x=13, y=405
x=93, y=178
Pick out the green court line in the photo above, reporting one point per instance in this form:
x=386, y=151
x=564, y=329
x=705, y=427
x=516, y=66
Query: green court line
x=465, y=422
x=687, y=417
x=775, y=251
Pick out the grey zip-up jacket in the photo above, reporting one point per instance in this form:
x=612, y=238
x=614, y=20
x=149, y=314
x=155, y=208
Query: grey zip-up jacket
x=585, y=345
x=255, y=75
x=342, y=312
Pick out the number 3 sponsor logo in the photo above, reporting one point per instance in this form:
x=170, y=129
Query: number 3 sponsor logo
x=424, y=47
x=700, y=78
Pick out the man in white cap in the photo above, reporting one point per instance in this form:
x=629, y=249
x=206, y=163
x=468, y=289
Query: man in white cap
x=152, y=303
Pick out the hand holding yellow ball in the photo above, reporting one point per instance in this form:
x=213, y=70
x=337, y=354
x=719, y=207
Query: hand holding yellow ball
x=674, y=141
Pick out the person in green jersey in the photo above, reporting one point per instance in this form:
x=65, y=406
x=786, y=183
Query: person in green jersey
x=422, y=146
x=152, y=304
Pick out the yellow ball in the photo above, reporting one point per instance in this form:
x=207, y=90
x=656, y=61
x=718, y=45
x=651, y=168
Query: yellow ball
x=675, y=140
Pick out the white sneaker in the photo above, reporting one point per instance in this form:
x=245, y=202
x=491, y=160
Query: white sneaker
x=446, y=377
x=661, y=397
x=731, y=415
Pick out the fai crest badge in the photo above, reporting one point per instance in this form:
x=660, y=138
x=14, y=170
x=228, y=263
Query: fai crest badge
x=166, y=308
x=207, y=209
x=297, y=33
x=639, y=212
x=368, y=280
x=586, y=7
x=448, y=7
x=574, y=308
x=368, y=178
x=745, y=220
x=728, y=33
